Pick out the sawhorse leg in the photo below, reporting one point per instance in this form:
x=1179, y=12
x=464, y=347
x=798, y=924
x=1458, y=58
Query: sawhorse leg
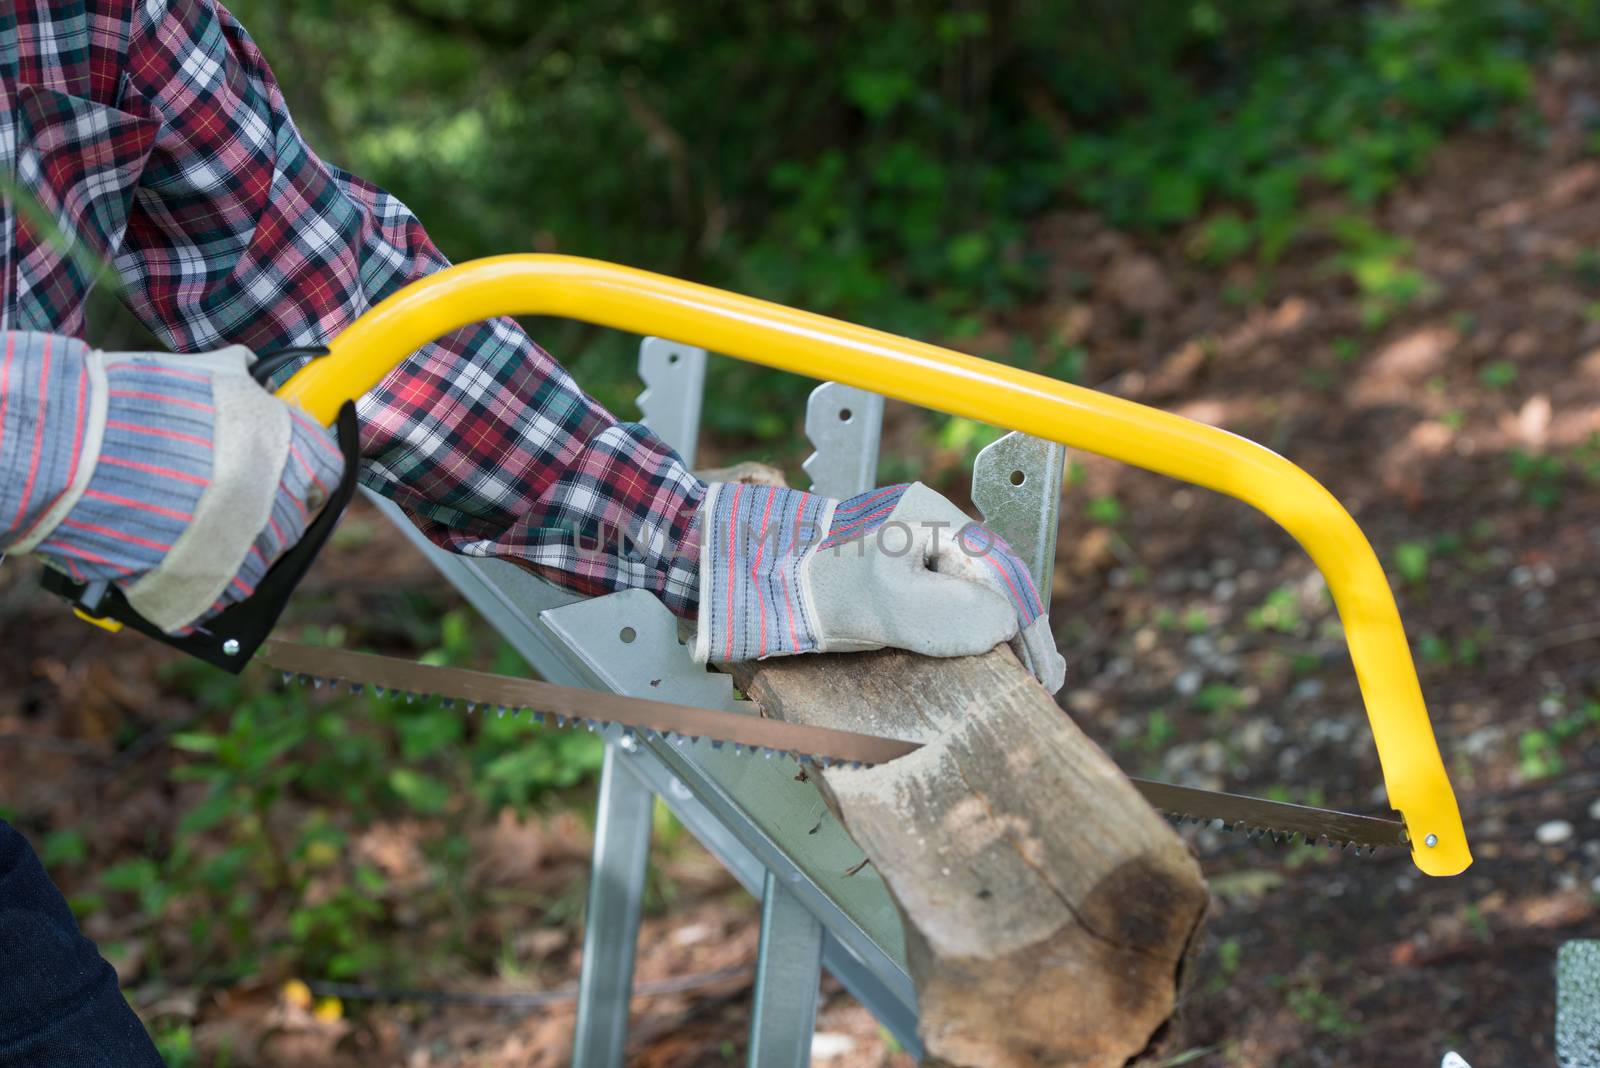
x=788, y=974
x=611, y=930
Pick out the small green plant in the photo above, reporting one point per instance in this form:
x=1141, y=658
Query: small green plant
x=1539, y=755
x=1498, y=374
x=1539, y=750
x=1346, y=349
x=1321, y=1012
x=1376, y=261
x=1229, y=956
x=1279, y=612
x=1411, y=559
x=1159, y=730
x=175, y=1042
x=1542, y=476
x=1219, y=698
x=1106, y=510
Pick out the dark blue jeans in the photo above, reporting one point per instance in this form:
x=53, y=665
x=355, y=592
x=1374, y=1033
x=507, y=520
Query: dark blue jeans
x=60, y=1006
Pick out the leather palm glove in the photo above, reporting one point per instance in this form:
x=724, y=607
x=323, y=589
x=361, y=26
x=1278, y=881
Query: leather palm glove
x=782, y=572
x=177, y=478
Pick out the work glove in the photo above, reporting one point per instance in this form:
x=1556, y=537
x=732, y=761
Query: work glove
x=785, y=572
x=177, y=478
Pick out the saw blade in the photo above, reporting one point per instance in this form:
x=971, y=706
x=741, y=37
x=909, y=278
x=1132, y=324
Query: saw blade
x=567, y=704
x=1257, y=817
x=1280, y=821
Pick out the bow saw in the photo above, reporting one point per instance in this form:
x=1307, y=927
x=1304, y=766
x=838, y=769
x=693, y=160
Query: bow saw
x=819, y=347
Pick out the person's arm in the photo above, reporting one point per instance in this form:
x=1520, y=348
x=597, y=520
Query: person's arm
x=241, y=234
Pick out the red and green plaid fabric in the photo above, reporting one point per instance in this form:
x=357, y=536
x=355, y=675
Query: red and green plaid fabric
x=156, y=140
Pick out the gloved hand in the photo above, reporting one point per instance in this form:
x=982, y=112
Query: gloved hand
x=784, y=572
x=176, y=477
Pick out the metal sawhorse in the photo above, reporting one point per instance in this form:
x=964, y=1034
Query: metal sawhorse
x=774, y=834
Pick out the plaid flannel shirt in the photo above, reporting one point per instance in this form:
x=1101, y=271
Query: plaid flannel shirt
x=156, y=140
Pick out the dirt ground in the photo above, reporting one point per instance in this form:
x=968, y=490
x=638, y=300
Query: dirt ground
x=1202, y=648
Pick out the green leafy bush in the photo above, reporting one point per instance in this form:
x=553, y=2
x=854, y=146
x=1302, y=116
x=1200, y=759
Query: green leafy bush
x=287, y=772
x=881, y=161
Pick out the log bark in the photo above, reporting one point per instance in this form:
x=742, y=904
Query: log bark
x=1048, y=910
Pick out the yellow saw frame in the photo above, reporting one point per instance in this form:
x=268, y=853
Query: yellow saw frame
x=816, y=346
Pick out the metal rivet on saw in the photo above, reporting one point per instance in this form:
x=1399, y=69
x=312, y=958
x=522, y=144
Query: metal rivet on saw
x=230, y=647
x=1431, y=841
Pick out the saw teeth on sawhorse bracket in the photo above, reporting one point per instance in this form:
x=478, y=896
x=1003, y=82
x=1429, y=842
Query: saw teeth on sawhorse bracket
x=774, y=834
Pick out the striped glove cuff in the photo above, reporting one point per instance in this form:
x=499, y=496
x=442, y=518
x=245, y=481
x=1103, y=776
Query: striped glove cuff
x=176, y=477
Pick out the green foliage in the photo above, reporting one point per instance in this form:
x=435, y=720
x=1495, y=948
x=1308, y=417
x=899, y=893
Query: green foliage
x=175, y=1043
x=1539, y=750
x=1354, y=110
x=1322, y=1013
x=881, y=162
x=1107, y=510
x=1229, y=955
x=1159, y=731
x=1544, y=477
x=330, y=759
x=64, y=848
x=1498, y=374
x=1411, y=559
x=1437, y=650
x=1279, y=612
x=1220, y=699
x=1376, y=262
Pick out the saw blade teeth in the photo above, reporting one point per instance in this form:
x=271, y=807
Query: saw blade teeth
x=357, y=688
x=716, y=743
x=449, y=702
x=538, y=717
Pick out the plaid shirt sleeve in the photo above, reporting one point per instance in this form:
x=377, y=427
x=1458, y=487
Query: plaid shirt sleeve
x=239, y=233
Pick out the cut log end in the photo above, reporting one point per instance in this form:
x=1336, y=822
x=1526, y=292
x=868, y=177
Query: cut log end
x=1047, y=908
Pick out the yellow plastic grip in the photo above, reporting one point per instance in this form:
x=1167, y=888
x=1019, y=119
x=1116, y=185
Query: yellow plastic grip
x=813, y=345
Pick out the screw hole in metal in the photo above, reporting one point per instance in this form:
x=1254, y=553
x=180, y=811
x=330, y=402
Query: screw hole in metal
x=673, y=357
x=1018, y=478
x=845, y=415
x=627, y=634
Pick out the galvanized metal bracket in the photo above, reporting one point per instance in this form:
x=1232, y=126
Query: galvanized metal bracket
x=843, y=425
x=674, y=378
x=1016, y=484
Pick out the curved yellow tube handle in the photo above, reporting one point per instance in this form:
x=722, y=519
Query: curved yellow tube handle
x=813, y=345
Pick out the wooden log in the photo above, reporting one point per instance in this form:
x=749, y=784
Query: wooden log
x=1048, y=909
